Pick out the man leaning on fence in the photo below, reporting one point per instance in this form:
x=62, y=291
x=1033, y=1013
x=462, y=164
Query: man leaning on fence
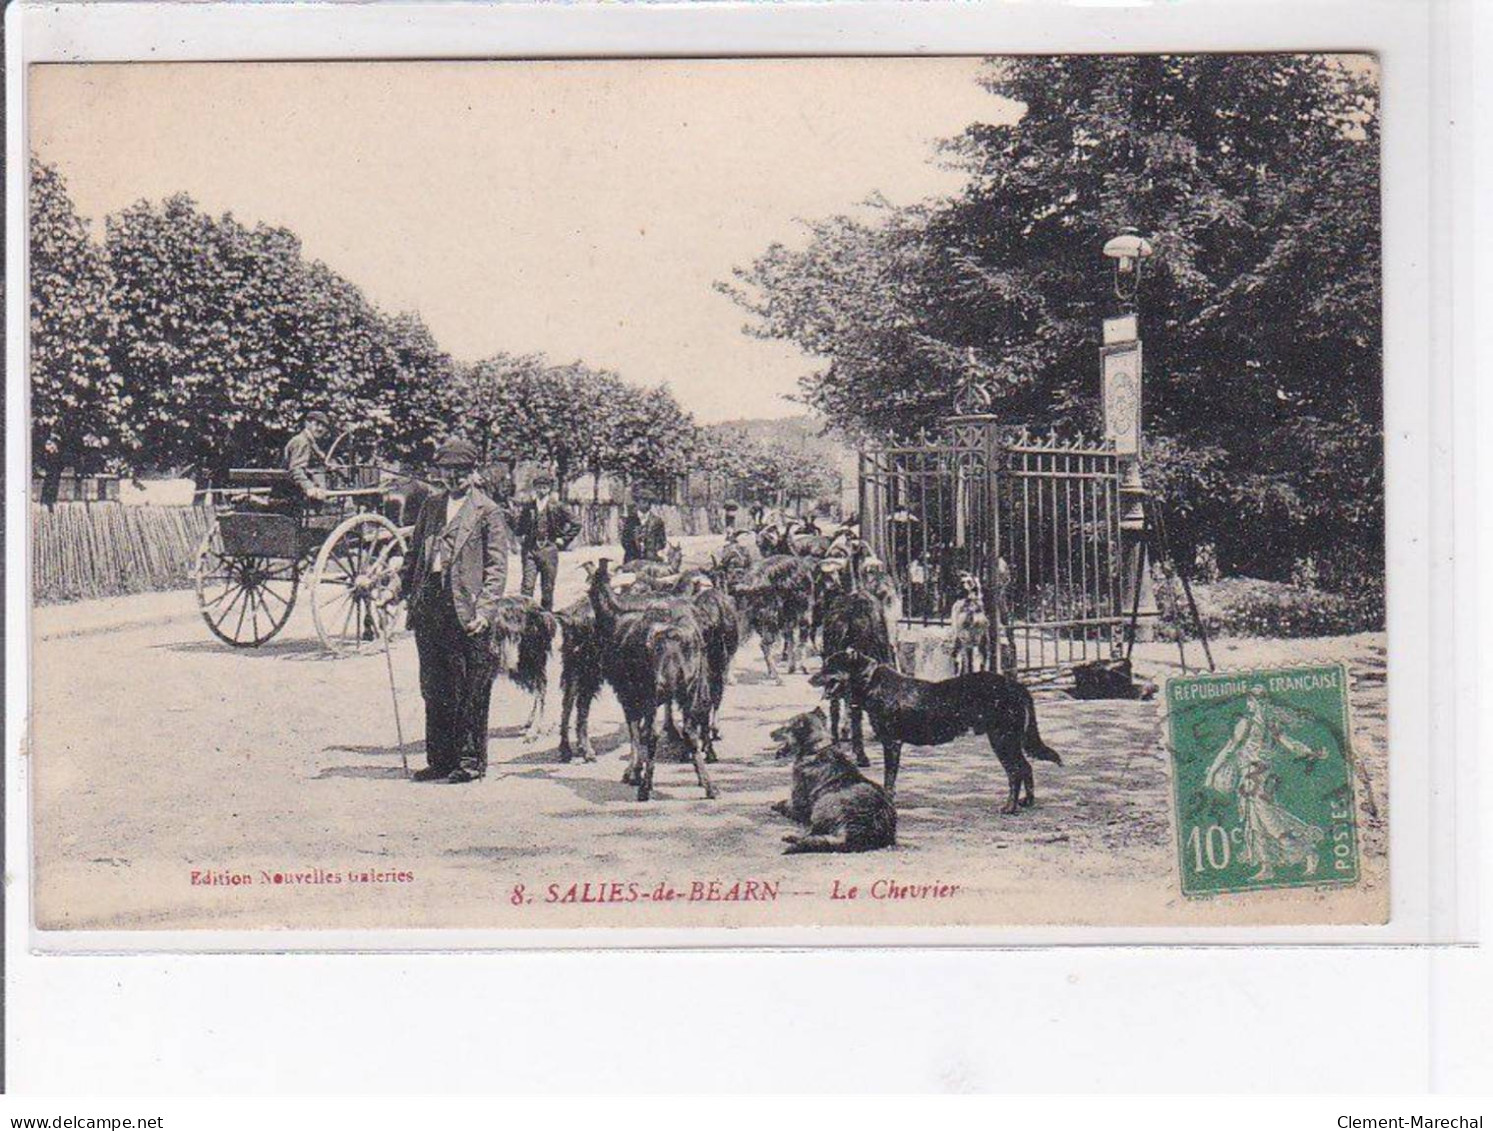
x=455, y=572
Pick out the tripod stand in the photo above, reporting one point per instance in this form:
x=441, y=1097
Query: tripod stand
x=1156, y=546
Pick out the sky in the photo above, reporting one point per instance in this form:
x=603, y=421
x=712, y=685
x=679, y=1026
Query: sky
x=580, y=209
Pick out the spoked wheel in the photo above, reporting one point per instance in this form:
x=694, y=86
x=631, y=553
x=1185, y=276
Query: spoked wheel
x=355, y=571
x=244, y=599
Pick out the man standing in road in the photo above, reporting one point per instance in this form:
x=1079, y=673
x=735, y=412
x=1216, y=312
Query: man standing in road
x=632, y=534
x=545, y=527
x=653, y=536
x=455, y=572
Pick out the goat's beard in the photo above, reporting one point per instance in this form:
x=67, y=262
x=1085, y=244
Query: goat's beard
x=505, y=652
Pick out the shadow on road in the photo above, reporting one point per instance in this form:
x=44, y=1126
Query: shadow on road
x=275, y=649
x=376, y=773
x=410, y=749
x=593, y=791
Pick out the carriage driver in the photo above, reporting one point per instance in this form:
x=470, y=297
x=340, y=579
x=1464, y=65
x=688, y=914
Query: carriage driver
x=453, y=576
x=302, y=451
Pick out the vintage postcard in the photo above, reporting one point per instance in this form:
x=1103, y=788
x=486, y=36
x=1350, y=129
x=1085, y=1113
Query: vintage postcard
x=936, y=492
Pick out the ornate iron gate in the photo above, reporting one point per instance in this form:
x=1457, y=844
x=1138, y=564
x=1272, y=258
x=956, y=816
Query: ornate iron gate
x=1037, y=522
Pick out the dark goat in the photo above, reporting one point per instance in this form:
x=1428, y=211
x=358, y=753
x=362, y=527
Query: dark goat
x=833, y=577
x=721, y=624
x=854, y=620
x=776, y=599
x=654, y=655
x=651, y=569
x=582, y=678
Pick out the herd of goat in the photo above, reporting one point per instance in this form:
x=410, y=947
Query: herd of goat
x=663, y=637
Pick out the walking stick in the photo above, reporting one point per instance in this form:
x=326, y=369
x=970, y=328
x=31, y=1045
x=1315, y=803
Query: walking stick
x=404, y=758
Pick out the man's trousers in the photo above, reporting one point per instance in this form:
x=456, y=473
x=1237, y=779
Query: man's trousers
x=543, y=563
x=456, y=677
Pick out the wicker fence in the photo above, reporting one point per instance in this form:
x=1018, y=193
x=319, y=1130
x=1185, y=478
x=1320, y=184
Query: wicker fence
x=82, y=550
x=104, y=549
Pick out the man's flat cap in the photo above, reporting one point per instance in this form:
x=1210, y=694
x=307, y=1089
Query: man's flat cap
x=316, y=416
x=456, y=453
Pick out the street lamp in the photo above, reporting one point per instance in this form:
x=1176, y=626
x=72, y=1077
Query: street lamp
x=1120, y=367
x=1129, y=250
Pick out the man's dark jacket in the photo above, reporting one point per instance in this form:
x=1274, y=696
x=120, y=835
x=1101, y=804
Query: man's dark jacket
x=654, y=537
x=300, y=454
x=556, y=525
x=477, y=567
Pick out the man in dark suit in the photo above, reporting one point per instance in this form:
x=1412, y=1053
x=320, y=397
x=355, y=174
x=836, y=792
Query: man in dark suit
x=653, y=536
x=453, y=576
x=545, y=527
x=632, y=534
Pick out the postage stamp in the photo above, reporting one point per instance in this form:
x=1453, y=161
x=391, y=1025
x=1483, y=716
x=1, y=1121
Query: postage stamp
x=1263, y=789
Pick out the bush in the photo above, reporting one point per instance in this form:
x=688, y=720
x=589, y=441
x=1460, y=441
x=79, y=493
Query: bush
x=1246, y=606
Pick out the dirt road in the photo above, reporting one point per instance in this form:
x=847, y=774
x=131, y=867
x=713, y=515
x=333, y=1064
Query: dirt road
x=164, y=765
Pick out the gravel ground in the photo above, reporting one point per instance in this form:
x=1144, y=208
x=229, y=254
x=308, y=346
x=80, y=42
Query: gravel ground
x=158, y=753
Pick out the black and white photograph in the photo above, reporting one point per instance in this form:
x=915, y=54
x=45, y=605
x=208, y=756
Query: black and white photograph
x=855, y=492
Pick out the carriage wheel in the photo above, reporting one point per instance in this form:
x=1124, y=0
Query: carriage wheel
x=245, y=600
x=357, y=563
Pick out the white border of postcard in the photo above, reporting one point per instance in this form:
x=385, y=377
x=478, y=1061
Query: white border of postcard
x=1431, y=721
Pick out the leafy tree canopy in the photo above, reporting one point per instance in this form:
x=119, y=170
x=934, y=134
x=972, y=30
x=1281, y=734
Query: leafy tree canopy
x=80, y=412
x=1256, y=178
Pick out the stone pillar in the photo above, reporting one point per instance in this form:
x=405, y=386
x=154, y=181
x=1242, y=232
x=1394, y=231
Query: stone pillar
x=1120, y=364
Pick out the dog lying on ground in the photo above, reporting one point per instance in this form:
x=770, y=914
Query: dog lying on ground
x=845, y=811
x=970, y=626
x=923, y=713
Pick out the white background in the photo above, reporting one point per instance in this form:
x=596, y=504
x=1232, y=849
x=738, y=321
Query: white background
x=1325, y=1018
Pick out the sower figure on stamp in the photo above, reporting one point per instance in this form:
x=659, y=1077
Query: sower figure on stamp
x=454, y=574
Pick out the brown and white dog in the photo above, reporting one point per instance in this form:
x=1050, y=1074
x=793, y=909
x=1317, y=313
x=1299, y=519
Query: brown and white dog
x=522, y=641
x=970, y=627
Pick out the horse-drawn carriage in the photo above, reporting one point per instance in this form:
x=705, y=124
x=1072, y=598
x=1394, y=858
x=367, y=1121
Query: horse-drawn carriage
x=266, y=542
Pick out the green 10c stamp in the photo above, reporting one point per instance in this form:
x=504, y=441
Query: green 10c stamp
x=1264, y=792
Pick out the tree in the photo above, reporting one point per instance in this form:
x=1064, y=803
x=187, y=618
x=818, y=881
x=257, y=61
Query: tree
x=801, y=475
x=79, y=410
x=528, y=408
x=479, y=401
x=731, y=455
x=653, y=438
x=228, y=336
x=1256, y=177
x=420, y=377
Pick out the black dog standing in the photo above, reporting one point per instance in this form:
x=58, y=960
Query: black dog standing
x=454, y=576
